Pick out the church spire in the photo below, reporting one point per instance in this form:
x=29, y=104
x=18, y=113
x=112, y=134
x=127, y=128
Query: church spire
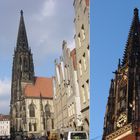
x=123, y=106
x=134, y=36
x=22, y=41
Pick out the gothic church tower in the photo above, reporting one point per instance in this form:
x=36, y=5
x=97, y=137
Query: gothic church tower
x=122, y=117
x=22, y=74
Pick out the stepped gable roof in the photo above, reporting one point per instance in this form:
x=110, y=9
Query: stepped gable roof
x=43, y=87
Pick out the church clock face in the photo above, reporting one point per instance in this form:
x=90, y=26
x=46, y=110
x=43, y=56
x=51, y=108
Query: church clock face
x=121, y=120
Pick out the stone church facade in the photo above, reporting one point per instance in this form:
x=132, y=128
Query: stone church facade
x=31, y=106
x=122, y=117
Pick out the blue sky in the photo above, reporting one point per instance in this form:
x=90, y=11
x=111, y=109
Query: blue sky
x=110, y=22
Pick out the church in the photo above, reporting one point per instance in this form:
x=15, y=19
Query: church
x=31, y=106
x=122, y=117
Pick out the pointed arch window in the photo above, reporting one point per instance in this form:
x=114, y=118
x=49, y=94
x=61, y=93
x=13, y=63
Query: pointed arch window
x=35, y=128
x=44, y=123
x=25, y=64
x=20, y=63
x=30, y=127
x=47, y=109
x=32, y=110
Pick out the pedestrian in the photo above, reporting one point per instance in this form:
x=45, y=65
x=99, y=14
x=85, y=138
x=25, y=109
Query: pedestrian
x=42, y=138
x=61, y=136
x=36, y=138
x=6, y=138
x=33, y=137
x=18, y=137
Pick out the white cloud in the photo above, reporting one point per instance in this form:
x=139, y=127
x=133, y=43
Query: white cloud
x=4, y=106
x=47, y=10
x=49, y=26
x=5, y=85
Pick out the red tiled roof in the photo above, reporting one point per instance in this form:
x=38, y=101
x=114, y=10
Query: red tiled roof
x=73, y=55
x=43, y=86
x=4, y=117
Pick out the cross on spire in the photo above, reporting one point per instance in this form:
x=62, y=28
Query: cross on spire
x=22, y=41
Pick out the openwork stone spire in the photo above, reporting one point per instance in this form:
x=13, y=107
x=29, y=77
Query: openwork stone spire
x=122, y=117
x=133, y=38
x=22, y=41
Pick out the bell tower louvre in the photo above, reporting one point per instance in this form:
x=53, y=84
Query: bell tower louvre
x=22, y=74
x=122, y=117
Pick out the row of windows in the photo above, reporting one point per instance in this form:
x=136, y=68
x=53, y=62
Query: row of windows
x=4, y=122
x=2, y=132
x=78, y=18
x=32, y=109
x=83, y=5
x=4, y=127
